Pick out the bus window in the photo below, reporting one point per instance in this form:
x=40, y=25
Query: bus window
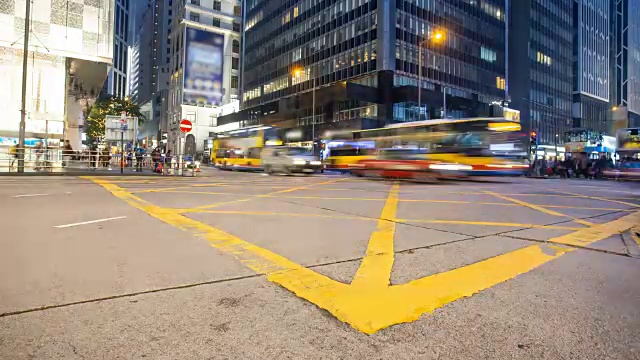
x=254, y=153
x=344, y=152
x=221, y=154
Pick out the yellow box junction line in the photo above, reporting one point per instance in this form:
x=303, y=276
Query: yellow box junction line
x=540, y=208
x=375, y=307
x=375, y=268
x=599, y=199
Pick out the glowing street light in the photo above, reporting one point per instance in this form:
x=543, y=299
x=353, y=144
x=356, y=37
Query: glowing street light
x=436, y=36
x=297, y=72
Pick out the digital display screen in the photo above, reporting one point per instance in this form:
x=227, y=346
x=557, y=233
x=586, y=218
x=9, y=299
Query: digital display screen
x=204, y=59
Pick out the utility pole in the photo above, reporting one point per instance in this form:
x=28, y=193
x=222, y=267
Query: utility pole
x=23, y=109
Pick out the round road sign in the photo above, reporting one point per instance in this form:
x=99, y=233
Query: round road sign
x=185, y=126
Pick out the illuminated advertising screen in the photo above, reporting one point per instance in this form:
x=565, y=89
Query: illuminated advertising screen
x=203, y=68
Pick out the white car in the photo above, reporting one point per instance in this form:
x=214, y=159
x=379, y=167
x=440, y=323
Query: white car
x=289, y=160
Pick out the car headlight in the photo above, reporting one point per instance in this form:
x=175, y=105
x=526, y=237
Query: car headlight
x=451, y=167
x=299, y=162
x=315, y=162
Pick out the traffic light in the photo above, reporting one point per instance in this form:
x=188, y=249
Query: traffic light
x=534, y=138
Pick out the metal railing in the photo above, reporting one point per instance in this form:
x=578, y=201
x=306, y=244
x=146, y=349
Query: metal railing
x=61, y=161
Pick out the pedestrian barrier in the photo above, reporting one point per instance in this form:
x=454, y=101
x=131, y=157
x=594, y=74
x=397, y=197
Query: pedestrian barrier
x=47, y=160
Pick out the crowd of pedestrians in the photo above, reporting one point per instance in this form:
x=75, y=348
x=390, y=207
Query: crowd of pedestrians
x=575, y=166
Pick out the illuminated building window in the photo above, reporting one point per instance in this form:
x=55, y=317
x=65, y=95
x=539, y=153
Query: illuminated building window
x=295, y=12
x=543, y=59
x=501, y=83
x=251, y=94
x=488, y=54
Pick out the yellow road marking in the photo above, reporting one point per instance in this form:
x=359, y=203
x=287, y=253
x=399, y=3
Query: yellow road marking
x=375, y=268
x=157, y=190
x=349, y=217
x=269, y=194
x=600, y=199
x=584, y=237
x=540, y=208
x=536, y=195
x=491, y=223
x=268, y=213
x=370, y=309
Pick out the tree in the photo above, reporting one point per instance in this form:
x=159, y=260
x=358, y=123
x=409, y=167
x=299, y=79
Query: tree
x=94, y=124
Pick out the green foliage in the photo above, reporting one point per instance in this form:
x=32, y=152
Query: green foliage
x=94, y=124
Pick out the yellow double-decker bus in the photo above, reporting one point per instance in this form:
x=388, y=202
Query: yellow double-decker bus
x=486, y=146
x=241, y=149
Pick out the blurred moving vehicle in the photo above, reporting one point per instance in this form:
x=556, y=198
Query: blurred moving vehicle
x=626, y=170
x=288, y=160
x=476, y=147
x=629, y=152
x=240, y=149
x=341, y=159
x=407, y=164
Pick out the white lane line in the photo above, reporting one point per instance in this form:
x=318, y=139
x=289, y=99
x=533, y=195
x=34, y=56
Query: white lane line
x=89, y=222
x=29, y=195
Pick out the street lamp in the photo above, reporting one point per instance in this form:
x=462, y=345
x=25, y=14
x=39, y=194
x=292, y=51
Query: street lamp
x=297, y=72
x=435, y=37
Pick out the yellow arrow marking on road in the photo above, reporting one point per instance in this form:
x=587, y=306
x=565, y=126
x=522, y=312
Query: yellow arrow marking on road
x=369, y=304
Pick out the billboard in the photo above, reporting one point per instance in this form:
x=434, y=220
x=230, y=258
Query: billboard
x=204, y=57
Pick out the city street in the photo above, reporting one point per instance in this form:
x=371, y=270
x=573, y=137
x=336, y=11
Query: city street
x=248, y=266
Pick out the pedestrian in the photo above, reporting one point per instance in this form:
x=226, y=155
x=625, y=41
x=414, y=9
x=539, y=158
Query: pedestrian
x=13, y=152
x=139, y=158
x=39, y=149
x=67, y=153
x=105, y=157
x=155, y=157
x=129, y=159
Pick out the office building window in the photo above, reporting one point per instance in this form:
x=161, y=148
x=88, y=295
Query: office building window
x=235, y=47
x=488, y=55
x=236, y=27
x=217, y=5
x=234, y=82
x=235, y=63
x=195, y=2
x=216, y=22
x=237, y=11
x=194, y=17
x=543, y=59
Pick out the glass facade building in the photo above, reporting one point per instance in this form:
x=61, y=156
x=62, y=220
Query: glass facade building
x=361, y=57
x=591, y=64
x=70, y=48
x=540, y=65
x=627, y=56
x=118, y=83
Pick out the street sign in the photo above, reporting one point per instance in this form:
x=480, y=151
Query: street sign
x=185, y=126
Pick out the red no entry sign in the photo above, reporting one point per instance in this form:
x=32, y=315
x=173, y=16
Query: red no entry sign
x=185, y=126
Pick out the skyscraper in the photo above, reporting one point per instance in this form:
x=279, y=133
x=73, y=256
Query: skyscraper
x=205, y=67
x=591, y=64
x=540, y=66
x=626, y=92
x=117, y=83
x=354, y=63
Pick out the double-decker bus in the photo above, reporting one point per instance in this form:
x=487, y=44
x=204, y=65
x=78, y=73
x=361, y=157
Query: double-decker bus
x=485, y=146
x=240, y=149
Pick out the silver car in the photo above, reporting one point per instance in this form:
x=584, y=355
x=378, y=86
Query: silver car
x=289, y=160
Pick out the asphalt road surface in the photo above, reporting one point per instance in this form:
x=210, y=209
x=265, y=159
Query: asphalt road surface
x=246, y=266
